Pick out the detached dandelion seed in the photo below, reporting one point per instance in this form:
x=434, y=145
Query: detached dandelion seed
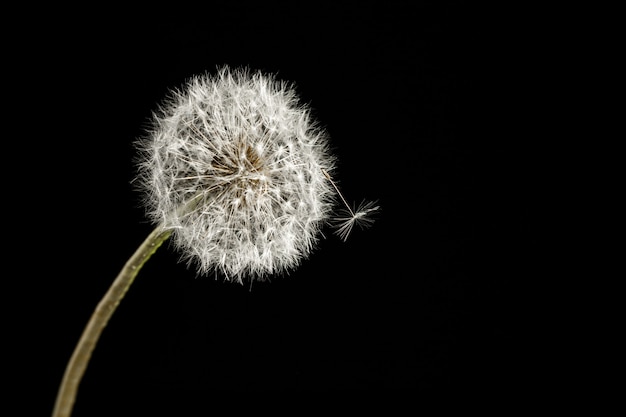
x=237, y=172
x=362, y=217
x=348, y=217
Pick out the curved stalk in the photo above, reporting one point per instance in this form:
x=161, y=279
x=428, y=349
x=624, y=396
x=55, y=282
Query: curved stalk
x=103, y=312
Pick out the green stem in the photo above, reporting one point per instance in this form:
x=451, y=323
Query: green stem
x=82, y=353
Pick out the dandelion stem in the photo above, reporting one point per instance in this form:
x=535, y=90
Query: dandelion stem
x=103, y=312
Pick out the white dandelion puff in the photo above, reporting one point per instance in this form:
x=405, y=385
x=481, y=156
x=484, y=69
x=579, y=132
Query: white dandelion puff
x=234, y=166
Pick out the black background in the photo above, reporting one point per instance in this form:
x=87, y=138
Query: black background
x=425, y=301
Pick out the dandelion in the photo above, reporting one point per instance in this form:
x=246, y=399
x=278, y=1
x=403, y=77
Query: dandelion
x=237, y=172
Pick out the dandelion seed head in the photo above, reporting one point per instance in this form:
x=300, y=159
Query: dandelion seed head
x=234, y=165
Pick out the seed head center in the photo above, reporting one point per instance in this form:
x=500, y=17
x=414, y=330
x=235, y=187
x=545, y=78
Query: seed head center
x=243, y=169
